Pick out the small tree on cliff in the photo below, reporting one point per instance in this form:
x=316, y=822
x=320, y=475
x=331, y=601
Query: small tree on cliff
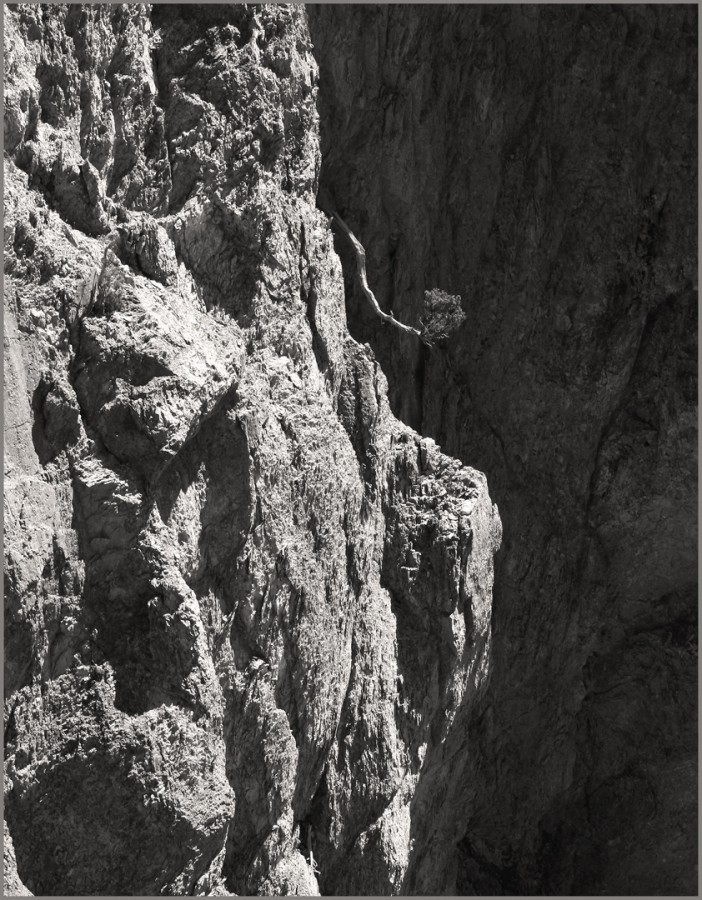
x=443, y=314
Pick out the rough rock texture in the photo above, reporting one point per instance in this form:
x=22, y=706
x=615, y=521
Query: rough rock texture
x=541, y=162
x=247, y=611
x=12, y=884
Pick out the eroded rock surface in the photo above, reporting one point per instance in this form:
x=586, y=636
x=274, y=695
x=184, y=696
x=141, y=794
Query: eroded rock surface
x=247, y=611
x=541, y=162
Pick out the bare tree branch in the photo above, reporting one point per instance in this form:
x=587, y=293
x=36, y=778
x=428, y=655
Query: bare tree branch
x=363, y=281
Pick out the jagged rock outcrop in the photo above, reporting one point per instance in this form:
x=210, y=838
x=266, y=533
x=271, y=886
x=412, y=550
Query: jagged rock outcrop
x=247, y=611
x=12, y=883
x=541, y=162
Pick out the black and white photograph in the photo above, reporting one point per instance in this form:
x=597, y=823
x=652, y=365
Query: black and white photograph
x=350, y=485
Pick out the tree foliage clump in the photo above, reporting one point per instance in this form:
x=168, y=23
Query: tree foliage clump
x=443, y=314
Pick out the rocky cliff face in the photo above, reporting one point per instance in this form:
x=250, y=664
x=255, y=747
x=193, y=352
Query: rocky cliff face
x=251, y=643
x=541, y=162
x=247, y=610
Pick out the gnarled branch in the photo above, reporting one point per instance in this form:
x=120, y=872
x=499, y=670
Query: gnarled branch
x=363, y=281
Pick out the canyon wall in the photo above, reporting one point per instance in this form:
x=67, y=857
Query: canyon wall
x=541, y=162
x=247, y=610
x=252, y=643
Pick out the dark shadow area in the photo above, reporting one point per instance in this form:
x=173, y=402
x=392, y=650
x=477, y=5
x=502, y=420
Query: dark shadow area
x=467, y=151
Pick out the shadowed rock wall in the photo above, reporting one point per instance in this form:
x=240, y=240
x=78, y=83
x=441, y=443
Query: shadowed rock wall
x=542, y=163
